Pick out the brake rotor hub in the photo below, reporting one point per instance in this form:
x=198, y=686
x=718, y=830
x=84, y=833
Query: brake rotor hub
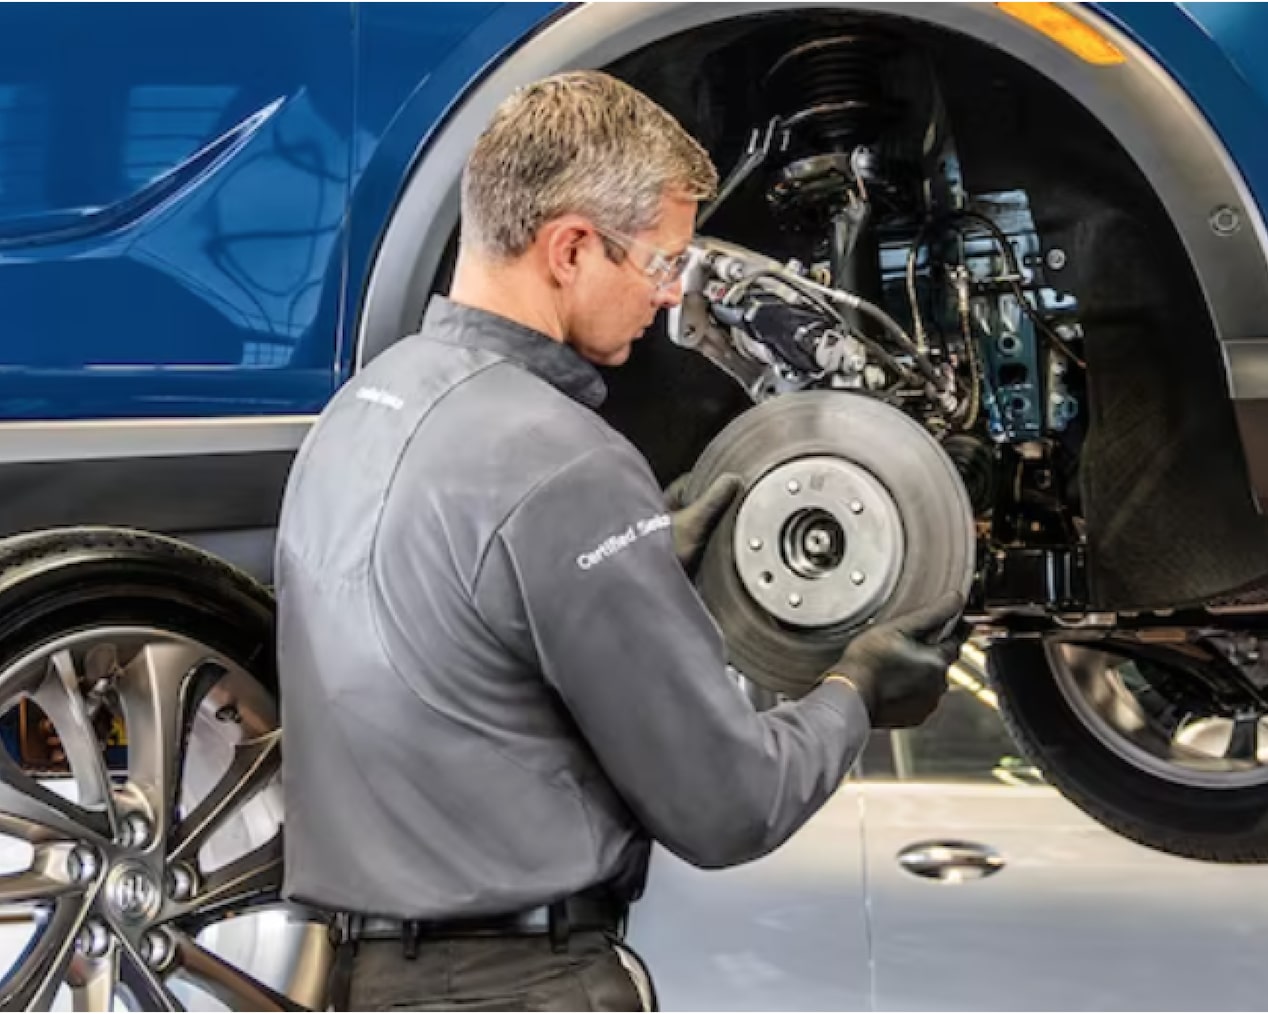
x=852, y=513
x=819, y=543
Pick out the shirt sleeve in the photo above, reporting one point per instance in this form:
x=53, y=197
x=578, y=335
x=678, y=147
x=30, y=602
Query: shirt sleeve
x=622, y=636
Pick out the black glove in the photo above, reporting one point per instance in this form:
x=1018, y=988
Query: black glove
x=900, y=667
x=692, y=524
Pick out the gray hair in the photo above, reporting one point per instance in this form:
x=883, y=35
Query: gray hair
x=576, y=143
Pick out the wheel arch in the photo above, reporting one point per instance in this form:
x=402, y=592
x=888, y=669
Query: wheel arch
x=1140, y=102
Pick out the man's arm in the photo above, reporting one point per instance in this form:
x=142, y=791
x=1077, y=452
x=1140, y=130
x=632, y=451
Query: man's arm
x=621, y=634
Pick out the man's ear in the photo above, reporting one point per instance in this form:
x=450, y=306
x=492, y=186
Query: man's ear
x=563, y=244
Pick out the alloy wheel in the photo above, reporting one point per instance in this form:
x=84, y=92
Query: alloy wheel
x=142, y=858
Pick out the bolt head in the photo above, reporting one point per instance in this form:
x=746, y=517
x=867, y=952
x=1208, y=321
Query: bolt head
x=156, y=948
x=84, y=864
x=1056, y=258
x=136, y=831
x=180, y=883
x=794, y=487
x=755, y=545
x=856, y=507
x=1225, y=220
x=794, y=600
x=93, y=939
x=858, y=577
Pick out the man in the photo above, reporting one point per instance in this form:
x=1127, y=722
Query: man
x=498, y=682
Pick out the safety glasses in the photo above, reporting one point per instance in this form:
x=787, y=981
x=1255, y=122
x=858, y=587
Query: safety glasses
x=663, y=269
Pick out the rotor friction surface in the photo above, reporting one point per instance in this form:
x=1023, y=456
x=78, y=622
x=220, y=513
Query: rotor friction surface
x=851, y=512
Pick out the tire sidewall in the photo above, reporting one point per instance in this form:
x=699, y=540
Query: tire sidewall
x=64, y=583
x=1226, y=825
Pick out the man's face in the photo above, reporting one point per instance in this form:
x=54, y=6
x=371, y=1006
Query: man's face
x=613, y=303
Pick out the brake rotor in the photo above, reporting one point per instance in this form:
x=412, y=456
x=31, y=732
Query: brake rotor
x=851, y=512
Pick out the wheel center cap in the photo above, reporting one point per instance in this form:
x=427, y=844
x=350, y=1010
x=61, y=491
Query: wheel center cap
x=134, y=893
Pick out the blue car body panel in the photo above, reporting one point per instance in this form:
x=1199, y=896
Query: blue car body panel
x=173, y=191
x=191, y=195
x=1214, y=52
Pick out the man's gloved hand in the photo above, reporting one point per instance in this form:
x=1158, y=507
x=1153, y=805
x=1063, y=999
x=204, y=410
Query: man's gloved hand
x=900, y=667
x=692, y=524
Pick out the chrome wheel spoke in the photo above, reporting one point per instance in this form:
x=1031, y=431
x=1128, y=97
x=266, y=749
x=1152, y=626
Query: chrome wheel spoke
x=37, y=975
x=61, y=699
x=35, y=814
x=93, y=980
x=33, y=885
x=115, y=891
x=254, y=763
x=231, y=986
x=249, y=882
x=147, y=987
x=157, y=688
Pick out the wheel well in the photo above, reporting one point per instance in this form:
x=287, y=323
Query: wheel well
x=1162, y=447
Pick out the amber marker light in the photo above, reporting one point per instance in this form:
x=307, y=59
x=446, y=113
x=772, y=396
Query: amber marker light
x=1066, y=31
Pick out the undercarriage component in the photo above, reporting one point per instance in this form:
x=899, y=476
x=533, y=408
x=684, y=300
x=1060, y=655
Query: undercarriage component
x=829, y=90
x=851, y=512
x=1035, y=579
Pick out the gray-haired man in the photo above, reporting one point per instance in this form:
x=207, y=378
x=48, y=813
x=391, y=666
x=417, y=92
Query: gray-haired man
x=498, y=682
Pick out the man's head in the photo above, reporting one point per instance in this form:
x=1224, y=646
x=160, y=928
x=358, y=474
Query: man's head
x=578, y=204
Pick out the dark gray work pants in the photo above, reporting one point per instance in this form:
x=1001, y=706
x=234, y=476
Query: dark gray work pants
x=494, y=973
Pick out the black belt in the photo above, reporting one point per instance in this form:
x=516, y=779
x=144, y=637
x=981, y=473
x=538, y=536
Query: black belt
x=577, y=913
x=589, y=911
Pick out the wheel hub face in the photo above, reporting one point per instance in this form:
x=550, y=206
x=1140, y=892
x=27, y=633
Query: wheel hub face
x=819, y=543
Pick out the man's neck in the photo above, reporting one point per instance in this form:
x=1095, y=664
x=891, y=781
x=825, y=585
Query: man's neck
x=501, y=289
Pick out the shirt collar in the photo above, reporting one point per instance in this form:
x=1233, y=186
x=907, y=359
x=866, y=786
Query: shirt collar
x=541, y=355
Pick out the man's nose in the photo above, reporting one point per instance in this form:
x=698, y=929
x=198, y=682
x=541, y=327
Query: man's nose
x=670, y=296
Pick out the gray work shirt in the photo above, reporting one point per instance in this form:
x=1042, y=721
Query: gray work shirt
x=496, y=679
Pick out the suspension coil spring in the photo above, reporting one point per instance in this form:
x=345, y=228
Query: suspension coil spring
x=829, y=90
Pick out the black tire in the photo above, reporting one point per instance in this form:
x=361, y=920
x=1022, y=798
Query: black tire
x=1225, y=825
x=60, y=581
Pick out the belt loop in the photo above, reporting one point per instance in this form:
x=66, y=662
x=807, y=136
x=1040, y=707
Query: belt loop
x=560, y=927
x=343, y=934
x=411, y=930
